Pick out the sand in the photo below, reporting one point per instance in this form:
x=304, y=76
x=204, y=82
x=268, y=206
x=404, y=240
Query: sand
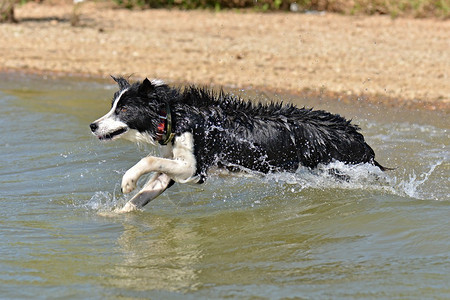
x=396, y=62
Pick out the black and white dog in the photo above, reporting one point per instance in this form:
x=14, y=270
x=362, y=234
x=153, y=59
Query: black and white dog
x=200, y=129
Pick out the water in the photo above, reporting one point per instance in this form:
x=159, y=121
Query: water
x=304, y=235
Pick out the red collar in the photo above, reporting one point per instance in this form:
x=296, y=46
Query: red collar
x=164, y=134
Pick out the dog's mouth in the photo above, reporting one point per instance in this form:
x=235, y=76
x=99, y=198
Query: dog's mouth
x=112, y=135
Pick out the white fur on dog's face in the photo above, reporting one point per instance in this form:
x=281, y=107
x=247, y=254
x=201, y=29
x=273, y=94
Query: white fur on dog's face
x=110, y=126
x=113, y=126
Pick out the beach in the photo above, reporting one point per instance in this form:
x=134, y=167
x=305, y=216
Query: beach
x=395, y=62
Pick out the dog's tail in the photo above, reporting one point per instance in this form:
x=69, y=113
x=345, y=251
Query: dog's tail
x=375, y=163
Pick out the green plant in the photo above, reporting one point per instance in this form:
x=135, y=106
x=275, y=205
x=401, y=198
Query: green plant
x=7, y=11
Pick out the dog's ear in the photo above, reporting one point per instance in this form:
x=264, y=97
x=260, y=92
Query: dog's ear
x=146, y=87
x=122, y=82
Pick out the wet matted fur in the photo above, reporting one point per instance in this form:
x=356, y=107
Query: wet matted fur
x=200, y=129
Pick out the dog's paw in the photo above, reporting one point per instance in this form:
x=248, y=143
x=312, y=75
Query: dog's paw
x=129, y=207
x=128, y=182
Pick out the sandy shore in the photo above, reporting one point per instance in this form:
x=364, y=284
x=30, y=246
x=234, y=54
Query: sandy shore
x=402, y=62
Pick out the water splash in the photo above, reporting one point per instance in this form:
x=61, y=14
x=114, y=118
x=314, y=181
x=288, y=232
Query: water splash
x=249, y=188
x=335, y=175
x=105, y=203
x=100, y=201
x=257, y=189
x=367, y=177
x=410, y=186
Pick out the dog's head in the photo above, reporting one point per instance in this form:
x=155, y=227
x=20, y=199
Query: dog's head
x=134, y=113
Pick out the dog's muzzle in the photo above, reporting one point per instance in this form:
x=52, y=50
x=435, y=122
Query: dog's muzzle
x=106, y=136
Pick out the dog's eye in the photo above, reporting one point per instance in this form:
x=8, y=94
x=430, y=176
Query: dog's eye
x=121, y=110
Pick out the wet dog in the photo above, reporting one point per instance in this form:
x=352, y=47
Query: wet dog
x=199, y=129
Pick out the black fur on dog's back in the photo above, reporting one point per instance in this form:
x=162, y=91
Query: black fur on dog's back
x=234, y=133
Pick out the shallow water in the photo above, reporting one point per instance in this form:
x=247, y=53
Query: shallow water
x=303, y=235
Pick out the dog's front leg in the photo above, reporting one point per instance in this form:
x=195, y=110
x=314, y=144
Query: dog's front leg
x=156, y=185
x=177, y=169
x=130, y=178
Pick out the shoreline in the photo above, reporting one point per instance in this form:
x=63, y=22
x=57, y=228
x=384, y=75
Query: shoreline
x=331, y=56
x=346, y=98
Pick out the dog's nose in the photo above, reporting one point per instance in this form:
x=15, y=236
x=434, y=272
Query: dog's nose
x=93, y=126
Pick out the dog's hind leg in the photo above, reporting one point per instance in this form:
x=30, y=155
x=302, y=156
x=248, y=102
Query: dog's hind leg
x=156, y=185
